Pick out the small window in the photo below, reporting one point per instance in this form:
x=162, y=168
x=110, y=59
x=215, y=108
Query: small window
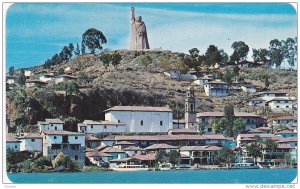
x=117, y=126
x=76, y=137
x=91, y=126
x=105, y=127
x=55, y=128
x=119, y=121
x=287, y=106
x=45, y=137
x=277, y=106
x=76, y=157
x=16, y=146
x=161, y=123
x=51, y=125
x=32, y=140
x=142, y=123
x=54, y=137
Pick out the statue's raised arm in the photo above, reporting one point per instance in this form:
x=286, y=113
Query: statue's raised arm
x=132, y=14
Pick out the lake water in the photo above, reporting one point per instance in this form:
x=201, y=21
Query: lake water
x=181, y=176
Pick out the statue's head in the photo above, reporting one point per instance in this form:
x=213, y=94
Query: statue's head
x=139, y=19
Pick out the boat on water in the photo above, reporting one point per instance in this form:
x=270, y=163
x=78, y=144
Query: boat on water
x=243, y=166
x=124, y=167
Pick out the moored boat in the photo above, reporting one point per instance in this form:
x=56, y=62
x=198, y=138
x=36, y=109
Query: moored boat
x=243, y=166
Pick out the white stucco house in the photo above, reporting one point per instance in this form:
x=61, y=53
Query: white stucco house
x=51, y=124
x=63, y=78
x=96, y=127
x=203, y=80
x=27, y=73
x=47, y=77
x=31, y=142
x=12, y=142
x=141, y=119
x=281, y=104
x=72, y=144
x=11, y=79
x=216, y=88
x=248, y=88
x=274, y=94
x=35, y=83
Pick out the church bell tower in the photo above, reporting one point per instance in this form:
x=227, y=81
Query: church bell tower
x=190, y=109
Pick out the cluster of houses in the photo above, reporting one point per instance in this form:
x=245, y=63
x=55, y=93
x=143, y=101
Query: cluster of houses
x=137, y=133
x=44, y=78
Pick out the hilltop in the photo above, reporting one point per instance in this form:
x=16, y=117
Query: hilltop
x=136, y=82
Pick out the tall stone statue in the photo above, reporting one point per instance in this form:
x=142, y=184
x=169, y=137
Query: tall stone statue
x=138, y=37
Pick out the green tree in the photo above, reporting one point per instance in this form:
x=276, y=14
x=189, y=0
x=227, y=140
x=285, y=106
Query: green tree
x=82, y=48
x=212, y=55
x=240, y=51
x=93, y=39
x=223, y=123
x=290, y=46
x=229, y=116
x=77, y=50
x=64, y=54
x=215, y=126
x=194, y=52
x=61, y=71
x=267, y=82
x=106, y=59
x=254, y=150
x=70, y=87
x=116, y=59
x=228, y=76
x=225, y=155
x=224, y=56
x=82, y=77
x=238, y=126
x=236, y=71
x=174, y=157
x=70, y=50
x=201, y=128
x=270, y=145
x=22, y=79
x=260, y=55
x=277, y=52
x=11, y=70
x=162, y=157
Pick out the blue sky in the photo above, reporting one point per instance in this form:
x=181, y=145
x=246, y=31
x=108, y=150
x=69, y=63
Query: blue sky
x=36, y=31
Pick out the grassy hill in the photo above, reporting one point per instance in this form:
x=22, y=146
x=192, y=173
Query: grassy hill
x=135, y=83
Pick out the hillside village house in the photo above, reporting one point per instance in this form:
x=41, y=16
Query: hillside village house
x=12, y=142
x=274, y=94
x=280, y=104
x=161, y=147
x=31, y=142
x=47, y=77
x=285, y=120
x=72, y=144
x=248, y=88
x=174, y=140
x=260, y=130
x=141, y=119
x=203, y=80
x=35, y=83
x=11, y=79
x=96, y=127
x=63, y=78
x=200, y=154
x=260, y=102
x=134, y=150
x=97, y=158
x=123, y=144
x=216, y=88
x=252, y=120
x=244, y=139
x=51, y=124
x=178, y=124
x=91, y=141
x=286, y=133
x=27, y=73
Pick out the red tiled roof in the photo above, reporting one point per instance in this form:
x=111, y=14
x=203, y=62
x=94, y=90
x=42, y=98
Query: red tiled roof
x=123, y=143
x=280, y=99
x=97, y=154
x=11, y=138
x=55, y=121
x=285, y=118
x=183, y=130
x=221, y=114
x=289, y=139
x=200, y=148
x=154, y=137
x=91, y=122
x=112, y=150
x=32, y=135
x=248, y=139
x=214, y=137
x=260, y=135
x=284, y=146
x=286, y=132
x=57, y=132
x=90, y=137
x=146, y=157
x=161, y=146
x=133, y=148
x=139, y=108
x=217, y=82
x=120, y=160
x=99, y=148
